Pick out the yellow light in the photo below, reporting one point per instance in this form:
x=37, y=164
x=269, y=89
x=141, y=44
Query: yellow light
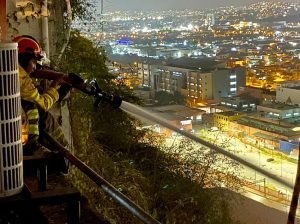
x=24, y=134
x=24, y=128
x=296, y=129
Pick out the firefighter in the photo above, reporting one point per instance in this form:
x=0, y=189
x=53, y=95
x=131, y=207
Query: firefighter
x=37, y=104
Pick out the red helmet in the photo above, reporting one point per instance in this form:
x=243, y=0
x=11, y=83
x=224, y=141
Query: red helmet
x=27, y=44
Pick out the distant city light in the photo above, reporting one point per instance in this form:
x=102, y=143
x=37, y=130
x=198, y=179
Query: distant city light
x=190, y=27
x=145, y=29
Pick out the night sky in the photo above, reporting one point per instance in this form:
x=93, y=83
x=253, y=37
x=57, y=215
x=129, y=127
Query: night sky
x=112, y=5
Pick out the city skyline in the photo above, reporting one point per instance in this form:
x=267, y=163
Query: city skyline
x=113, y=5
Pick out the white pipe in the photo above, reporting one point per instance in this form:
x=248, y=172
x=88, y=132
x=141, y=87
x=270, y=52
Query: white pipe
x=67, y=31
x=45, y=28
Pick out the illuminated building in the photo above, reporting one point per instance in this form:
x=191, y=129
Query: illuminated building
x=236, y=62
x=218, y=83
x=225, y=82
x=223, y=119
x=210, y=20
x=143, y=73
x=278, y=111
x=242, y=102
x=199, y=86
x=263, y=133
x=168, y=78
x=181, y=116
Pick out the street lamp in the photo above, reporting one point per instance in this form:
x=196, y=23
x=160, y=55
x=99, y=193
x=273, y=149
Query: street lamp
x=281, y=164
x=258, y=158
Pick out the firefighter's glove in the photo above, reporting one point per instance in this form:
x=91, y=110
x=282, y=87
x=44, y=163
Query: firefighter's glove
x=75, y=79
x=80, y=84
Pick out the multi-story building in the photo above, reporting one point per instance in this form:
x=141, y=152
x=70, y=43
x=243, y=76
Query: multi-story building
x=168, y=78
x=215, y=84
x=210, y=20
x=225, y=82
x=144, y=71
x=199, y=86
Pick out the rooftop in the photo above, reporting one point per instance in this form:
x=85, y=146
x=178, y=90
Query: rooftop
x=230, y=113
x=175, y=112
x=269, y=127
x=244, y=97
x=295, y=87
x=279, y=106
x=179, y=110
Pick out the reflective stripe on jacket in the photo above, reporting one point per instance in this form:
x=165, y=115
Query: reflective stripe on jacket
x=33, y=121
x=30, y=93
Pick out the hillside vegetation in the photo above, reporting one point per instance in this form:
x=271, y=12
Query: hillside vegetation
x=171, y=187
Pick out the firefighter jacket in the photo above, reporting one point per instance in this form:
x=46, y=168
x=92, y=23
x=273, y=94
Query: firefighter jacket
x=30, y=94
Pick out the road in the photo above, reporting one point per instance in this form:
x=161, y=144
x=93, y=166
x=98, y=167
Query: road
x=278, y=166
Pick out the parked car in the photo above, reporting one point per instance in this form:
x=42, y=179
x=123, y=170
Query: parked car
x=213, y=129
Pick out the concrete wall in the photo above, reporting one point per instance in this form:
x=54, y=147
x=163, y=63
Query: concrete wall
x=33, y=26
x=222, y=81
x=284, y=94
x=206, y=86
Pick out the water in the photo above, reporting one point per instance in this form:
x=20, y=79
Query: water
x=141, y=113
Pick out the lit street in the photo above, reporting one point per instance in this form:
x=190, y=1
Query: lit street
x=277, y=196
x=278, y=166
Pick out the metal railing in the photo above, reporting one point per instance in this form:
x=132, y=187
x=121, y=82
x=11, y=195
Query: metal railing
x=140, y=113
x=101, y=182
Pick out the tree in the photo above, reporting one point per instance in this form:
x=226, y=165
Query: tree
x=166, y=98
x=179, y=98
x=166, y=185
x=100, y=134
x=163, y=98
